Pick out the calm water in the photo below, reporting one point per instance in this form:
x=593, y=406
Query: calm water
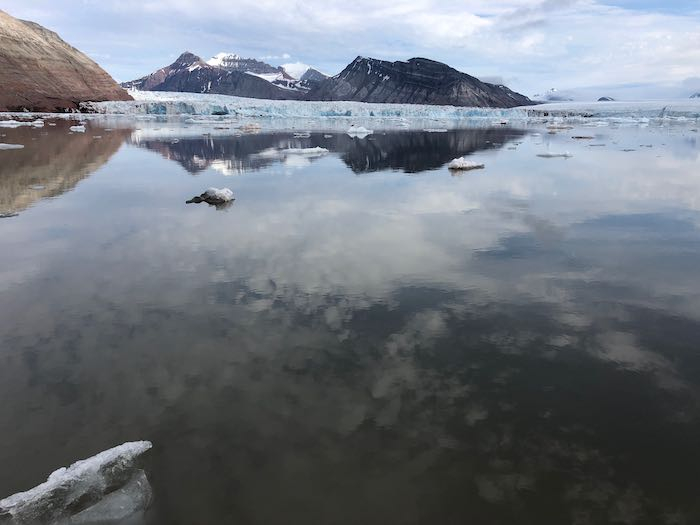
x=362, y=337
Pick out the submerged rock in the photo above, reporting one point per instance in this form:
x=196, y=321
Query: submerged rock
x=105, y=488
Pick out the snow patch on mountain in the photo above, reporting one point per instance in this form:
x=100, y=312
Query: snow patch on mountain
x=296, y=69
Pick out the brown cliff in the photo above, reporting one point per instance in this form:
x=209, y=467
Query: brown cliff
x=41, y=72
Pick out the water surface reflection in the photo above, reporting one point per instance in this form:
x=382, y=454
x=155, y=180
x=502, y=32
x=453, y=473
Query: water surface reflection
x=517, y=345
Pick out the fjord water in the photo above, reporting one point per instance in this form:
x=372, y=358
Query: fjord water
x=362, y=336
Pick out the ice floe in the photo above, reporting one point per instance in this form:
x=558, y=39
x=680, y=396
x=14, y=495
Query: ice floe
x=359, y=131
x=78, y=129
x=10, y=146
x=109, y=483
x=463, y=164
x=563, y=155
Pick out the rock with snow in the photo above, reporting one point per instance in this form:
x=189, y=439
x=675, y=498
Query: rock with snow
x=463, y=164
x=112, y=482
x=214, y=196
x=10, y=146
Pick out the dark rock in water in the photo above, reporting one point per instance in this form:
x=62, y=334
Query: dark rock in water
x=417, y=81
x=41, y=72
x=110, y=486
x=215, y=197
x=606, y=99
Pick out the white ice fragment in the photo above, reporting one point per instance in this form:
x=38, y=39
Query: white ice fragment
x=223, y=194
x=435, y=130
x=310, y=152
x=464, y=164
x=134, y=497
x=359, y=131
x=10, y=146
x=564, y=155
x=78, y=129
x=70, y=490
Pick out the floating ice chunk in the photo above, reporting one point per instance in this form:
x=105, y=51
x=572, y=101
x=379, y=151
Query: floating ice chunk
x=565, y=155
x=78, y=129
x=359, y=131
x=11, y=123
x=311, y=152
x=435, y=130
x=223, y=194
x=70, y=491
x=302, y=135
x=464, y=164
x=127, y=502
x=10, y=146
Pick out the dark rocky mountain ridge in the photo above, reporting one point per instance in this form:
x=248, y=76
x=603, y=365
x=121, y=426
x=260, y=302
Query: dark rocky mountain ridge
x=191, y=74
x=417, y=81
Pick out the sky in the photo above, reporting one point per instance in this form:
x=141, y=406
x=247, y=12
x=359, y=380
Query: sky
x=623, y=48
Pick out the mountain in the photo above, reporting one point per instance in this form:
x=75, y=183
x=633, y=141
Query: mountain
x=606, y=99
x=191, y=74
x=417, y=81
x=41, y=72
x=312, y=79
x=233, y=62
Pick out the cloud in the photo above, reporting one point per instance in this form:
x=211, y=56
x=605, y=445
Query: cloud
x=538, y=44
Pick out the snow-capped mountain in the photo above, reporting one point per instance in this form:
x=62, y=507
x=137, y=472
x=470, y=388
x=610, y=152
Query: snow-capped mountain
x=41, y=72
x=189, y=73
x=417, y=81
x=233, y=62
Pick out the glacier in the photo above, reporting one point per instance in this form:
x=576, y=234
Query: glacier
x=224, y=108
x=110, y=483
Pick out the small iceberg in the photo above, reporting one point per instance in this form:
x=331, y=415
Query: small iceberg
x=213, y=196
x=310, y=152
x=10, y=146
x=78, y=129
x=565, y=155
x=106, y=488
x=463, y=164
x=302, y=135
x=359, y=131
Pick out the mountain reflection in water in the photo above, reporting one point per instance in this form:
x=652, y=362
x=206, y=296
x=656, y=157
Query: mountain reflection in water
x=49, y=166
x=408, y=151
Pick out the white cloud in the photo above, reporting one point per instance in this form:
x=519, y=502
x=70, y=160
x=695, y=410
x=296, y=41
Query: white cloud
x=536, y=44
